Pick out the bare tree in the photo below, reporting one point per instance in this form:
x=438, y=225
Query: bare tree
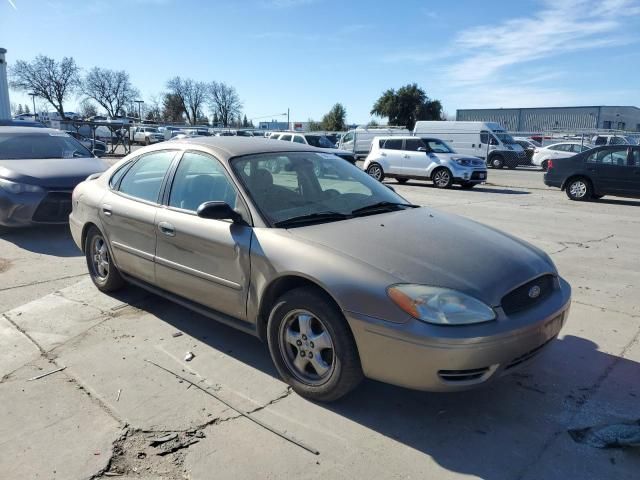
x=88, y=108
x=224, y=102
x=191, y=94
x=48, y=79
x=154, y=110
x=110, y=88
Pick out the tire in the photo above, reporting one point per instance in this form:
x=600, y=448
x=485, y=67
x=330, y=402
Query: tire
x=288, y=344
x=147, y=141
x=401, y=180
x=442, y=178
x=545, y=165
x=375, y=170
x=579, y=189
x=467, y=185
x=103, y=272
x=497, y=161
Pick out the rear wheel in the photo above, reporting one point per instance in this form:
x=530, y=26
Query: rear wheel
x=497, y=161
x=375, y=170
x=442, y=178
x=312, y=346
x=579, y=189
x=103, y=272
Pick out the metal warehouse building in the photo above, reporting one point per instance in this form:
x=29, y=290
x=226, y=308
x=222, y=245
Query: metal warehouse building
x=557, y=118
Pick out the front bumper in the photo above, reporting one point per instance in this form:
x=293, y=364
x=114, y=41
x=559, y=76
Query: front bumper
x=413, y=355
x=469, y=175
x=25, y=209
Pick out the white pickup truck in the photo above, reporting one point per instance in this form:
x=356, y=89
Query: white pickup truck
x=146, y=135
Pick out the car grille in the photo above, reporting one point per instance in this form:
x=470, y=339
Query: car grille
x=519, y=299
x=462, y=375
x=479, y=176
x=55, y=207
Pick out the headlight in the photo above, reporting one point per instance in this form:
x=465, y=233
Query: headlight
x=14, y=187
x=441, y=306
x=465, y=162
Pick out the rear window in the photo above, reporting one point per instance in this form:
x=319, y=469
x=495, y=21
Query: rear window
x=20, y=146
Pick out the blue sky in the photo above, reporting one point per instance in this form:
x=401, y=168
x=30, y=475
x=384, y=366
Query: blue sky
x=308, y=54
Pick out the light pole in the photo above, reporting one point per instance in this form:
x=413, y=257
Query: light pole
x=139, y=102
x=33, y=97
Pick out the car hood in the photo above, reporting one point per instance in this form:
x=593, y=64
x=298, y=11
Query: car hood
x=428, y=247
x=50, y=173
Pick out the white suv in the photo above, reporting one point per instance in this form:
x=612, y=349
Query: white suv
x=403, y=158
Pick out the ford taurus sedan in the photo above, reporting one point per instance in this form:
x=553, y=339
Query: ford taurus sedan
x=39, y=168
x=339, y=275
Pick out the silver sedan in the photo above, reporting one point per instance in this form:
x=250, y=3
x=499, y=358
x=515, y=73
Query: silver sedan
x=339, y=275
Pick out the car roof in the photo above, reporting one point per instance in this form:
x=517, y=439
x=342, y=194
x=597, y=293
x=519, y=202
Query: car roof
x=229, y=147
x=26, y=130
x=395, y=137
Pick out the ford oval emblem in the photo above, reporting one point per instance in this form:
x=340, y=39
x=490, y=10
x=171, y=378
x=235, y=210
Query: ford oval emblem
x=534, y=292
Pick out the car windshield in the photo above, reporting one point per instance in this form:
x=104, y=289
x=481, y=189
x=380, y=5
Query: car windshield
x=437, y=146
x=312, y=187
x=319, y=141
x=17, y=146
x=152, y=130
x=504, y=137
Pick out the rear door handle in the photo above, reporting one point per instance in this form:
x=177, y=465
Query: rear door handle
x=167, y=229
x=106, y=209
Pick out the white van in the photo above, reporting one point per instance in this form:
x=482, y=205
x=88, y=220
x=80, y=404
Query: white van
x=486, y=140
x=358, y=140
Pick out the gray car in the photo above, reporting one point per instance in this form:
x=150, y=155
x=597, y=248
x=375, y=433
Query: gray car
x=339, y=275
x=39, y=168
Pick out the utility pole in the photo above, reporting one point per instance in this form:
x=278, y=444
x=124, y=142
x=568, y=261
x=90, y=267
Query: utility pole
x=288, y=124
x=5, y=107
x=33, y=97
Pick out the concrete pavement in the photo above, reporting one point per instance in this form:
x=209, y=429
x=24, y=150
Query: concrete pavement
x=99, y=415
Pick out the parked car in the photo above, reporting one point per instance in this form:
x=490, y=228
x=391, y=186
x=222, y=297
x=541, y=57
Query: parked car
x=529, y=145
x=98, y=147
x=341, y=277
x=358, y=140
x=542, y=155
x=316, y=141
x=608, y=170
x=599, y=140
x=425, y=158
x=39, y=168
x=486, y=140
x=146, y=135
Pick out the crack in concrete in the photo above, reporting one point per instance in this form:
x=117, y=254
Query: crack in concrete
x=586, y=398
x=567, y=245
x=40, y=282
x=608, y=309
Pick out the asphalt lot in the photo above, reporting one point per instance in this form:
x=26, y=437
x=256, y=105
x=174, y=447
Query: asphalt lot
x=100, y=413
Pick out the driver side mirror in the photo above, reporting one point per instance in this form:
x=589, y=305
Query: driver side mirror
x=219, y=211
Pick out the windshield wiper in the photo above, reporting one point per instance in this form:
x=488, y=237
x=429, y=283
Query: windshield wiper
x=381, y=207
x=312, y=218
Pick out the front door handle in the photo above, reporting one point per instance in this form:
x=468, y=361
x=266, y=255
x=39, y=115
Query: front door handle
x=167, y=229
x=106, y=209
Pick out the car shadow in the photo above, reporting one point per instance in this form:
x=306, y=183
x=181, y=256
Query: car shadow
x=465, y=432
x=477, y=189
x=55, y=240
x=618, y=201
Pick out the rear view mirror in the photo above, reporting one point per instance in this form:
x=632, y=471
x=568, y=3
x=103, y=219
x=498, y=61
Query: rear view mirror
x=218, y=211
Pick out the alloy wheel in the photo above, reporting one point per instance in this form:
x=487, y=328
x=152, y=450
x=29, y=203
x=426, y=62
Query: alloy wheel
x=578, y=189
x=375, y=171
x=307, y=347
x=441, y=178
x=100, y=257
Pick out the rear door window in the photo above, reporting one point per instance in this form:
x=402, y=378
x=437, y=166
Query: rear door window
x=616, y=157
x=393, y=144
x=286, y=138
x=299, y=139
x=144, y=179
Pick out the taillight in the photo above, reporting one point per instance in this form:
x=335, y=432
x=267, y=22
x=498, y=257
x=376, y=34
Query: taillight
x=549, y=164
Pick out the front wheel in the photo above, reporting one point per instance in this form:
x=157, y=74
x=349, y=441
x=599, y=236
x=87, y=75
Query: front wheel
x=102, y=270
x=375, y=170
x=497, y=161
x=442, y=178
x=579, y=189
x=312, y=346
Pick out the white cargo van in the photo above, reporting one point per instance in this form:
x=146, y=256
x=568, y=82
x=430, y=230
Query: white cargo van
x=486, y=140
x=358, y=140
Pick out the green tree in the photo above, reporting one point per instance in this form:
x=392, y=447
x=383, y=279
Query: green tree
x=406, y=106
x=19, y=110
x=172, y=108
x=26, y=109
x=335, y=120
x=314, y=126
x=245, y=122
